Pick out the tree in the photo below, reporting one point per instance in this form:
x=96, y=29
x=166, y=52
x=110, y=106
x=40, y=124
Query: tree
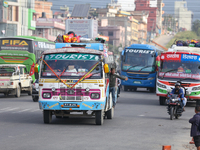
x=196, y=25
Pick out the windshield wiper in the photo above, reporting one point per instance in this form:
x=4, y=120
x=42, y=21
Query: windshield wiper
x=132, y=67
x=169, y=71
x=91, y=74
x=146, y=67
x=187, y=79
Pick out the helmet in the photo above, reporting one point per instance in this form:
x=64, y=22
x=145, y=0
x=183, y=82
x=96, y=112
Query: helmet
x=177, y=84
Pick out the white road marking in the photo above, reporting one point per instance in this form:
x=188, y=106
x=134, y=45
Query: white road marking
x=5, y=108
x=21, y=111
x=141, y=115
x=9, y=110
x=34, y=110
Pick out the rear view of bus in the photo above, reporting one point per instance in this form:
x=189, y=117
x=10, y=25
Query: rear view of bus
x=139, y=65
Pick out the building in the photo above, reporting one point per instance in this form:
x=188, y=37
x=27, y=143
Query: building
x=151, y=7
x=17, y=17
x=134, y=30
x=116, y=34
x=183, y=15
x=63, y=13
x=43, y=8
x=49, y=28
x=160, y=19
x=126, y=5
x=142, y=17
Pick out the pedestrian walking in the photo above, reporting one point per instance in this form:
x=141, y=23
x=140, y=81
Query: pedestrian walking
x=113, y=77
x=195, y=129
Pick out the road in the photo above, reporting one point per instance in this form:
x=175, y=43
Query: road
x=140, y=123
x=162, y=40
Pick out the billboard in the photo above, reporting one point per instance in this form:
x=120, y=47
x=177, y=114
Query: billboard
x=15, y=44
x=153, y=3
x=84, y=27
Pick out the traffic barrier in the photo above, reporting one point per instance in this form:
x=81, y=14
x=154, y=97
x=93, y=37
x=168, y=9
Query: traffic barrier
x=166, y=147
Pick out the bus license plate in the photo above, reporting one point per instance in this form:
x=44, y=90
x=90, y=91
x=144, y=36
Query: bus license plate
x=137, y=82
x=70, y=105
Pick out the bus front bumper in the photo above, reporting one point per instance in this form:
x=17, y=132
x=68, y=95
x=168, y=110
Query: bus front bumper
x=139, y=83
x=76, y=106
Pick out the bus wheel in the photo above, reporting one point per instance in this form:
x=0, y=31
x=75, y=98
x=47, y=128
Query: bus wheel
x=99, y=117
x=152, y=90
x=134, y=89
x=18, y=91
x=125, y=88
x=198, y=102
x=47, y=116
x=110, y=113
x=5, y=94
x=162, y=100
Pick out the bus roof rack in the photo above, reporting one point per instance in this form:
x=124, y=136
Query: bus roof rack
x=184, y=49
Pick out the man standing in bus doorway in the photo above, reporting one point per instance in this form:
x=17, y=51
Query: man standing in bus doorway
x=113, y=77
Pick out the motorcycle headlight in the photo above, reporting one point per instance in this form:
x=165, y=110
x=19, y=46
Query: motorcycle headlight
x=161, y=85
x=151, y=78
x=196, y=88
x=95, y=96
x=46, y=95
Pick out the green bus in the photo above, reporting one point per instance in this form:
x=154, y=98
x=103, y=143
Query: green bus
x=23, y=50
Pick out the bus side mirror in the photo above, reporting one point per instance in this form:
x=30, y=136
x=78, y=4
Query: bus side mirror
x=106, y=68
x=36, y=68
x=199, y=67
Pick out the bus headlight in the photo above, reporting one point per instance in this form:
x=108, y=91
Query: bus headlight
x=46, y=95
x=161, y=85
x=94, y=96
x=196, y=88
x=151, y=78
x=169, y=90
x=188, y=92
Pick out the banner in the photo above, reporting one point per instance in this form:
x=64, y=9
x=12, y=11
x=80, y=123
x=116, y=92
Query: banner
x=180, y=75
x=72, y=57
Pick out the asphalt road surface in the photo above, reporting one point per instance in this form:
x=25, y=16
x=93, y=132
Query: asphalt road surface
x=139, y=124
x=162, y=40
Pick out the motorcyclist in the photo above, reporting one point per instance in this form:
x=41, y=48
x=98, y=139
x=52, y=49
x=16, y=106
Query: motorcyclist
x=178, y=90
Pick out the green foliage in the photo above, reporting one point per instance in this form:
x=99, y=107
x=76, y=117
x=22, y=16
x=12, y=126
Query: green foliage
x=186, y=35
x=169, y=29
x=196, y=26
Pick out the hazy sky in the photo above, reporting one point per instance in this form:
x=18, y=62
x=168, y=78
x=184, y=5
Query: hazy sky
x=193, y=5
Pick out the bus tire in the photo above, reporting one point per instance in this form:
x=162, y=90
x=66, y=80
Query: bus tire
x=5, y=94
x=152, y=90
x=125, y=88
x=110, y=113
x=134, y=89
x=47, y=116
x=198, y=102
x=99, y=117
x=18, y=91
x=162, y=100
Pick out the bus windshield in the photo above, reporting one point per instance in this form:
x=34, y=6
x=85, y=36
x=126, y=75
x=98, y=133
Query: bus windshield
x=71, y=65
x=179, y=70
x=139, y=60
x=179, y=66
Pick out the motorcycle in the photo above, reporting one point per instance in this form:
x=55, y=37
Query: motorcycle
x=174, y=107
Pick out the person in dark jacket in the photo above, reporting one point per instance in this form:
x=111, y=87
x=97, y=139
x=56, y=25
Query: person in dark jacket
x=195, y=132
x=113, y=77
